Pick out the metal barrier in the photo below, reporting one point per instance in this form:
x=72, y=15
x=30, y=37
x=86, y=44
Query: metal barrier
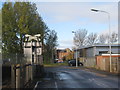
x=21, y=75
x=21, y=71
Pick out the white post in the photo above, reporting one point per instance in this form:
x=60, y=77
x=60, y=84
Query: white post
x=76, y=52
x=110, y=43
x=76, y=58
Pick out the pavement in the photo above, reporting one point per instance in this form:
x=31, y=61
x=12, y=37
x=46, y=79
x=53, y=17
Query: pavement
x=65, y=77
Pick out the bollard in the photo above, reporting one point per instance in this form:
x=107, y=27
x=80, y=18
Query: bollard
x=17, y=76
x=13, y=74
x=27, y=74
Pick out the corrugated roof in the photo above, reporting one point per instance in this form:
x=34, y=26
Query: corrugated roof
x=100, y=45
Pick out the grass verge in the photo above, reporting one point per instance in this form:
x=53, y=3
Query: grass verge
x=55, y=64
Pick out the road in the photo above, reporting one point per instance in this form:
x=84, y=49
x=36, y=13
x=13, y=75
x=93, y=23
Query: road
x=65, y=77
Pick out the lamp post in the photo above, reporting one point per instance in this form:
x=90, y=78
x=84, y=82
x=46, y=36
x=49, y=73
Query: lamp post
x=95, y=10
x=76, y=52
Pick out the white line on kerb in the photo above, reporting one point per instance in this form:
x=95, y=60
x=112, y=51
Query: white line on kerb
x=56, y=85
x=36, y=85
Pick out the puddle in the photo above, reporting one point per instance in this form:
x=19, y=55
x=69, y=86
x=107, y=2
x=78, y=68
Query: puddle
x=46, y=79
x=63, y=76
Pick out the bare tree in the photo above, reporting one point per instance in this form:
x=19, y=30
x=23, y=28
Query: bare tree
x=106, y=38
x=91, y=39
x=114, y=37
x=102, y=39
x=80, y=37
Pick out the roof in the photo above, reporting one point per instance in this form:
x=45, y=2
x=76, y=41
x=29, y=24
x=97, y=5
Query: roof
x=63, y=50
x=101, y=45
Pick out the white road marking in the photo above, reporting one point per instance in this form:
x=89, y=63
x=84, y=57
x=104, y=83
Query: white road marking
x=56, y=85
x=98, y=83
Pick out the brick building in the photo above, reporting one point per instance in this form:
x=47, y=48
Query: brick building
x=64, y=54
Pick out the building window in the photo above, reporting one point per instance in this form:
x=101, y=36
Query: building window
x=102, y=52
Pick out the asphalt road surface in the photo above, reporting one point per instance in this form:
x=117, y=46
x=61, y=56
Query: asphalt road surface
x=65, y=77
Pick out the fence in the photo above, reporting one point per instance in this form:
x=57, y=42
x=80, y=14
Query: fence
x=21, y=75
x=19, y=71
x=103, y=63
x=89, y=62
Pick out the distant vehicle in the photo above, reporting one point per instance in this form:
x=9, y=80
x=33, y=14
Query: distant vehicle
x=58, y=61
x=73, y=63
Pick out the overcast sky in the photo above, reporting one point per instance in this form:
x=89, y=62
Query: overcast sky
x=65, y=17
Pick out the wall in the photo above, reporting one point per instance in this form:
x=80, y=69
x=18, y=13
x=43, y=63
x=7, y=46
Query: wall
x=90, y=52
x=90, y=62
x=106, y=48
x=93, y=51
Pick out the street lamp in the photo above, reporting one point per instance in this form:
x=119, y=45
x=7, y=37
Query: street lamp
x=95, y=10
x=76, y=52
